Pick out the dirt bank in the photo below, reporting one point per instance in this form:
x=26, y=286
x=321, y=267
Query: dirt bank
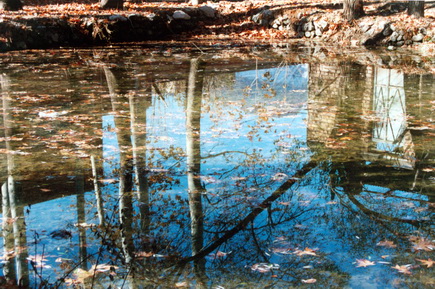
x=82, y=23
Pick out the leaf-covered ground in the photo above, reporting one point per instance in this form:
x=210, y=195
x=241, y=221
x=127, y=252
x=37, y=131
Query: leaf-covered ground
x=234, y=20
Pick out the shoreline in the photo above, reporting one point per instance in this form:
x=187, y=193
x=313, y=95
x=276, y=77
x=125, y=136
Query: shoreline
x=259, y=21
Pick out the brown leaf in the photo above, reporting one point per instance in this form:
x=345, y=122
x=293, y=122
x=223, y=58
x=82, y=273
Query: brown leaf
x=306, y=251
x=388, y=244
x=404, y=269
x=364, y=263
x=428, y=263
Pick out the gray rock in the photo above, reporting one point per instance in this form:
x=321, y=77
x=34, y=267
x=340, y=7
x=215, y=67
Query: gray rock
x=264, y=17
x=208, y=11
x=393, y=36
x=423, y=31
x=307, y=34
x=180, y=15
x=117, y=18
x=418, y=37
x=308, y=26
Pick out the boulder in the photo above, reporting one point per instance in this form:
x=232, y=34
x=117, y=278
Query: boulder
x=181, y=15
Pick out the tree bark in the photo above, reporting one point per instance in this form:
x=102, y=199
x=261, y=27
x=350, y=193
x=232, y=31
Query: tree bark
x=111, y=4
x=11, y=5
x=416, y=8
x=353, y=9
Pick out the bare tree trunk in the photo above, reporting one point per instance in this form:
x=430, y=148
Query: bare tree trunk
x=353, y=9
x=416, y=8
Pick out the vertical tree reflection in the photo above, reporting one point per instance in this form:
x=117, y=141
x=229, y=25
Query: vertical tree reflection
x=126, y=166
x=14, y=226
x=193, y=151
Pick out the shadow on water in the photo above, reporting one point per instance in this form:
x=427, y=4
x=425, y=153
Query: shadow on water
x=134, y=169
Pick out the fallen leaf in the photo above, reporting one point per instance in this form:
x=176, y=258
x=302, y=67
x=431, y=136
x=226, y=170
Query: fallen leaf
x=386, y=243
x=309, y=281
x=364, y=263
x=306, y=251
x=404, y=269
x=422, y=244
x=428, y=263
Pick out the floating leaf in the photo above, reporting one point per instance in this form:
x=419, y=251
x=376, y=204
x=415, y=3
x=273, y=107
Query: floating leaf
x=404, y=269
x=364, y=263
x=306, y=251
x=309, y=281
x=386, y=243
x=428, y=263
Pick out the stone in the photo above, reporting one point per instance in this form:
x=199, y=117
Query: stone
x=117, y=18
x=423, y=31
x=264, y=17
x=208, y=11
x=307, y=34
x=308, y=26
x=418, y=37
x=322, y=25
x=393, y=36
x=180, y=15
x=318, y=32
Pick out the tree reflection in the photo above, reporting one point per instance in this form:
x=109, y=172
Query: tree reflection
x=14, y=226
x=193, y=162
x=259, y=185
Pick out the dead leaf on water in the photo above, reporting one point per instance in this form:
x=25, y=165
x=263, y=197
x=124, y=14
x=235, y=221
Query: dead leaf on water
x=309, y=281
x=364, y=263
x=428, y=263
x=386, y=243
x=404, y=269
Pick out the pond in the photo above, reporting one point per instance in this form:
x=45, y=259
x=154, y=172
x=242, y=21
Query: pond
x=239, y=168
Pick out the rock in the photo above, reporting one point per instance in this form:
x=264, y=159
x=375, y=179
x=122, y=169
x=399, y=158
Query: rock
x=308, y=26
x=151, y=16
x=264, y=18
x=393, y=36
x=208, y=11
x=180, y=15
x=418, y=37
x=423, y=31
x=322, y=25
x=377, y=33
x=117, y=18
x=307, y=34
x=318, y=32
x=400, y=43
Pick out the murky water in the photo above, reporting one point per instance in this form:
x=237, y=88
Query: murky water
x=142, y=169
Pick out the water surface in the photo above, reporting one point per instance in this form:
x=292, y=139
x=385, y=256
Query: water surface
x=240, y=169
